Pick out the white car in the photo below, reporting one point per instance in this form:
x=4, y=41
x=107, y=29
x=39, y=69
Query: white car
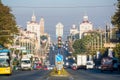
x=90, y=65
x=26, y=64
x=50, y=67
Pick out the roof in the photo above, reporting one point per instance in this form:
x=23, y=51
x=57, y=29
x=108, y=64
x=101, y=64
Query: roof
x=4, y=50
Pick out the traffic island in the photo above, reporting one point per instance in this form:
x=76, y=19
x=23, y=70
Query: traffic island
x=58, y=73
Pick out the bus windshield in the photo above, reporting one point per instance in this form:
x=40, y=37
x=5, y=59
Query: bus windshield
x=4, y=62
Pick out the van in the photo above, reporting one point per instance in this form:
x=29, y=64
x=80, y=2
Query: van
x=26, y=64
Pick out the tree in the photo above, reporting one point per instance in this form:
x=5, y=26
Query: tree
x=116, y=17
x=7, y=25
x=117, y=51
x=79, y=46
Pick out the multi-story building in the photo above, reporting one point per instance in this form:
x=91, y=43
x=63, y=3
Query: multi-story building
x=38, y=28
x=25, y=42
x=74, y=30
x=85, y=26
x=59, y=29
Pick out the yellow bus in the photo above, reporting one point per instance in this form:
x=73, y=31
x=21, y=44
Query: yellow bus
x=5, y=62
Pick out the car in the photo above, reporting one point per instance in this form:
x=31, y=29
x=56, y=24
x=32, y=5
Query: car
x=90, y=65
x=26, y=64
x=74, y=66
x=45, y=68
x=37, y=65
x=50, y=67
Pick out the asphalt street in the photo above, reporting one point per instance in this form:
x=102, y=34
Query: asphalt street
x=74, y=75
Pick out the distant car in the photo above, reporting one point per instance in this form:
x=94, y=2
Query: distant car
x=26, y=64
x=74, y=66
x=50, y=67
x=67, y=65
x=45, y=68
x=37, y=65
x=90, y=65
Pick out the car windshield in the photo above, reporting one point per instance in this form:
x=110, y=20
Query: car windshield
x=89, y=63
x=26, y=61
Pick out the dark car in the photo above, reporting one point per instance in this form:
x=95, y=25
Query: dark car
x=45, y=68
x=74, y=66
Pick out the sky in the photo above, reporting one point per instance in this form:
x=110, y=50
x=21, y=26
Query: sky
x=68, y=12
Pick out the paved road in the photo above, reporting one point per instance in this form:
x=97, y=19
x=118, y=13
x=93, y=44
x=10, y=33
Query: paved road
x=59, y=78
x=94, y=75
x=26, y=75
x=75, y=75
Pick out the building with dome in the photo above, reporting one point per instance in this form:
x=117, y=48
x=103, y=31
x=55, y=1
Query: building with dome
x=85, y=26
x=33, y=26
x=38, y=28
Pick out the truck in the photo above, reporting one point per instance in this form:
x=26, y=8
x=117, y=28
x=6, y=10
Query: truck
x=109, y=64
x=26, y=64
x=81, y=61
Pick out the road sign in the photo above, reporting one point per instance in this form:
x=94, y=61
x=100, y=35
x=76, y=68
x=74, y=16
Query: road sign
x=59, y=58
x=59, y=61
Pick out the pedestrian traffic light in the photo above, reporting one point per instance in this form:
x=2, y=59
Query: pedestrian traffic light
x=59, y=41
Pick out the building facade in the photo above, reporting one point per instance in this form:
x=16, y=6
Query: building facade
x=85, y=26
x=74, y=30
x=42, y=26
x=38, y=28
x=59, y=29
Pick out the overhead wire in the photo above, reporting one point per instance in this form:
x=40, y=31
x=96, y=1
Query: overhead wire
x=63, y=6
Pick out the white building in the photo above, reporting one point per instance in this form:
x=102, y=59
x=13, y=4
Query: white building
x=85, y=26
x=74, y=30
x=42, y=26
x=59, y=29
x=33, y=26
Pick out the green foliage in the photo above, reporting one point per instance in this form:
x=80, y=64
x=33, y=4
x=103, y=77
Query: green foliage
x=7, y=25
x=84, y=45
x=116, y=18
x=117, y=50
x=79, y=46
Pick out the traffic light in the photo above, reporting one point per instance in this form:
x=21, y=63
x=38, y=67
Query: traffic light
x=59, y=41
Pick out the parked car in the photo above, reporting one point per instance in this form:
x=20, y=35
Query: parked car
x=90, y=65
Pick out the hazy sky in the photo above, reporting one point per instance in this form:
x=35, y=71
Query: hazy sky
x=68, y=12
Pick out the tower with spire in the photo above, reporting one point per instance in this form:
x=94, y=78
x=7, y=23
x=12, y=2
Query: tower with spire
x=42, y=26
x=33, y=18
x=33, y=26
